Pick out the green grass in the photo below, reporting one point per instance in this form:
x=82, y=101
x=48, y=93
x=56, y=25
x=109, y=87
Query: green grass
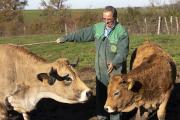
x=86, y=51
x=35, y=15
x=31, y=15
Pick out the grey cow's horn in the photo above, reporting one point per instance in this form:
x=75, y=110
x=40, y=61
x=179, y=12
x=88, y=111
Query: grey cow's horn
x=76, y=63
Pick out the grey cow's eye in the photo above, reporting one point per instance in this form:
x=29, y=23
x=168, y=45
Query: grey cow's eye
x=117, y=93
x=68, y=81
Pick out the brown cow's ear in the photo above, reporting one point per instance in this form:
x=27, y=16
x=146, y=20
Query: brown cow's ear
x=42, y=76
x=130, y=83
x=134, y=85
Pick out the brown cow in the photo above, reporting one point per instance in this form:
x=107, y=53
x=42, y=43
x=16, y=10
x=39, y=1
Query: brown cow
x=148, y=84
x=26, y=79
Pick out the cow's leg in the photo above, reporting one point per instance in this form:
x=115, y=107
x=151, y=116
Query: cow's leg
x=161, y=113
x=138, y=115
x=145, y=116
x=18, y=105
x=17, y=100
x=3, y=112
x=26, y=116
x=142, y=114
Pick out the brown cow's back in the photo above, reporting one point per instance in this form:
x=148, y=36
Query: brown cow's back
x=144, y=51
x=155, y=75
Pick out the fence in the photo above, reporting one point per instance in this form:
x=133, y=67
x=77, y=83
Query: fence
x=155, y=25
x=144, y=25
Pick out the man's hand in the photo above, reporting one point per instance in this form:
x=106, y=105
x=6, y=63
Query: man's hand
x=110, y=67
x=60, y=40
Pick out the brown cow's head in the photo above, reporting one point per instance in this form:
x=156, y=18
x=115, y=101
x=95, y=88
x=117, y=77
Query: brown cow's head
x=121, y=95
x=63, y=84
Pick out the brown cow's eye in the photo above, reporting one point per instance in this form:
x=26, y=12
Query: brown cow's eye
x=117, y=93
x=123, y=82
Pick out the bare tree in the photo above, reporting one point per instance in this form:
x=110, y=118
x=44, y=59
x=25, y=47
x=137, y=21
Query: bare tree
x=54, y=4
x=156, y=2
x=12, y=4
x=11, y=10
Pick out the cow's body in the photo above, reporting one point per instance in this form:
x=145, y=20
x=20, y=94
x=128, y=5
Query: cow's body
x=148, y=84
x=144, y=51
x=27, y=78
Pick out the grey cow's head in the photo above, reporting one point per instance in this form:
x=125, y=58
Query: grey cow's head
x=63, y=83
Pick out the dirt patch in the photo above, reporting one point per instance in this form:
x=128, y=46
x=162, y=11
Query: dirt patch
x=88, y=75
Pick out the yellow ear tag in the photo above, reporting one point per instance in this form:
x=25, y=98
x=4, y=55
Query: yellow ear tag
x=130, y=85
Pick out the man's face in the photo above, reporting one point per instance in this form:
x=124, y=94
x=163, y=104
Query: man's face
x=108, y=19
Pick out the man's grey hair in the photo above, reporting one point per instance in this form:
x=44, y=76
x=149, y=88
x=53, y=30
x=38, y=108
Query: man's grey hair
x=111, y=9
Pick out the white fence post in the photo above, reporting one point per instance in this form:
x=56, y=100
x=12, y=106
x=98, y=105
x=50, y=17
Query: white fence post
x=145, y=21
x=171, y=19
x=159, y=25
x=65, y=26
x=177, y=25
x=166, y=25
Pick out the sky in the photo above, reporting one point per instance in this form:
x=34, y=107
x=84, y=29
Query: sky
x=90, y=4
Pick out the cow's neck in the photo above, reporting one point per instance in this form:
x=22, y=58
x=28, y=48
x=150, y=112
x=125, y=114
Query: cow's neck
x=29, y=72
x=47, y=94
x=43, y=68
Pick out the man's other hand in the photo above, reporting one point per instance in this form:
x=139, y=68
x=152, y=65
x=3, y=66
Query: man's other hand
x=110, y=67
x=60, y=40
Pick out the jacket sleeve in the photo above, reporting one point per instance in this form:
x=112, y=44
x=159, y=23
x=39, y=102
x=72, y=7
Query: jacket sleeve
x=82, y=35
x=122, y=50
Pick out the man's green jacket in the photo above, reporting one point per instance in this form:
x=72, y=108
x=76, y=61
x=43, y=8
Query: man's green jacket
x=110, y=49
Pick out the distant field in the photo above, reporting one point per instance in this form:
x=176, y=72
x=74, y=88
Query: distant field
x=30, y=15
x=86, y=51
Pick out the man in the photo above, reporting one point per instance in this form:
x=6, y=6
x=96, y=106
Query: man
x=112, y=46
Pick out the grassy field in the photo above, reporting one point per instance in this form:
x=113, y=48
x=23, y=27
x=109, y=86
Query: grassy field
x=31, y=15
x=86, y=51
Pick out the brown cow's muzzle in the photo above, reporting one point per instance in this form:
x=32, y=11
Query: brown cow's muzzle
x=109, y=109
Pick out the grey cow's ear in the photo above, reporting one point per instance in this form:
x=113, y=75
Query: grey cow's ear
x=53, y=75
x=42, y=76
